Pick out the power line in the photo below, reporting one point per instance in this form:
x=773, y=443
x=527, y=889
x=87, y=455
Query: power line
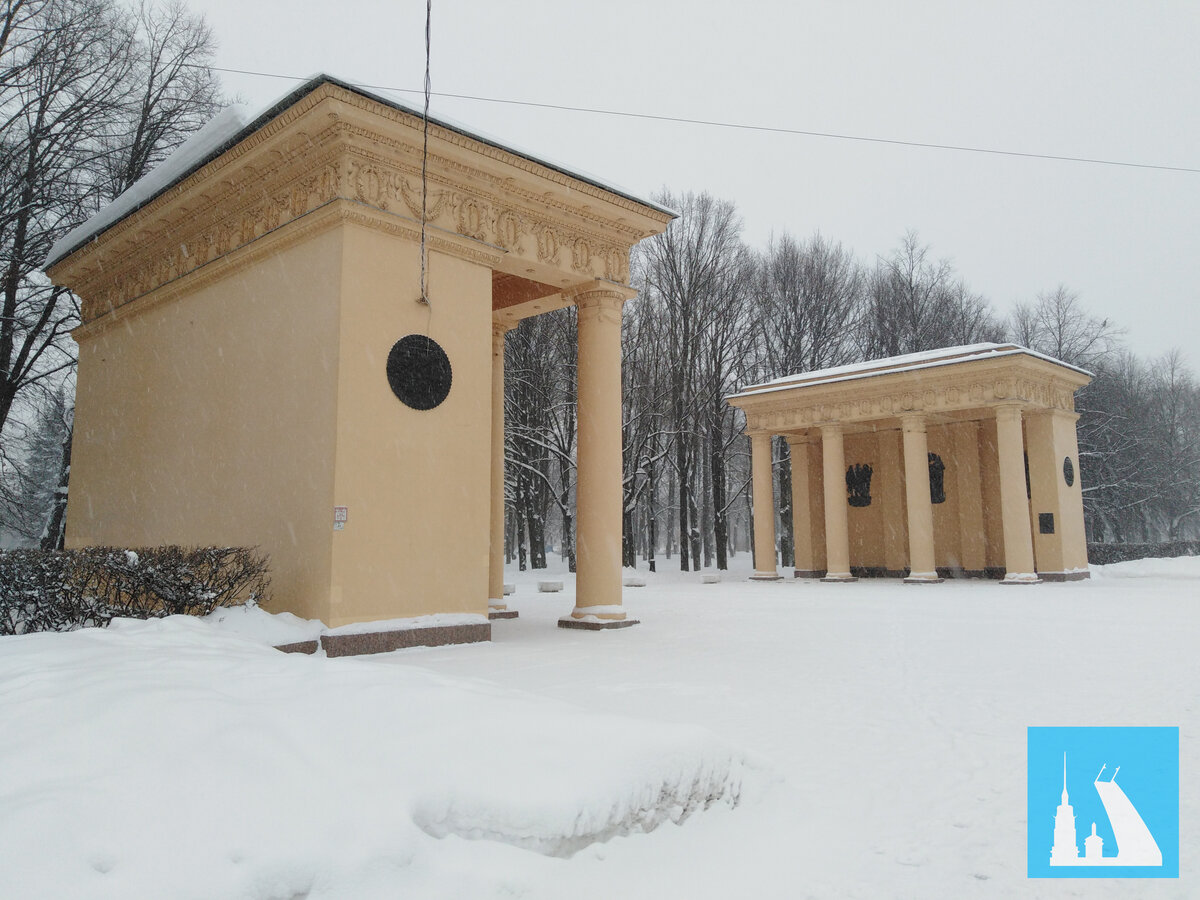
x=770, y=129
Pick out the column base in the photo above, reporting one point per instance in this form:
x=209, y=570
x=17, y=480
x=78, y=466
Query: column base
x=597, y=618
x=839, y=578
x=358, y=644
x=1065, y=576
x=876, y=572
x=308, y=647
x=766, y=576
x=1021, y=578
x=810, y=573
x=592, y=623
x=923, y=578
x=498, y=609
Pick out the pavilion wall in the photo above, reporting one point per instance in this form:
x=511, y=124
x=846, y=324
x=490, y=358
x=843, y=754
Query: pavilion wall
x=993, y=524
x=416, y=482
x=208, y=418
x=947, y=541
x=865, y=523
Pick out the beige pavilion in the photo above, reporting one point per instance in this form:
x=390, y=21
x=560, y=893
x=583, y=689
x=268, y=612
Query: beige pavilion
x=257, y=365
x=955, y=462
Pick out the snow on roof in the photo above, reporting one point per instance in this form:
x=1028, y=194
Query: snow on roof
x=908, y=362
x=188, y=156
x=238, y=121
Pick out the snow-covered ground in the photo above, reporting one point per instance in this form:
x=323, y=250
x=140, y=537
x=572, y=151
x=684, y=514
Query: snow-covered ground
x=863, y=740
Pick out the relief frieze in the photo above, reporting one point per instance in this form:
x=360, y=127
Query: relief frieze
x=236, y=213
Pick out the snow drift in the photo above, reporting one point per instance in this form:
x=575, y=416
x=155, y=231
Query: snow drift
x=194, y=763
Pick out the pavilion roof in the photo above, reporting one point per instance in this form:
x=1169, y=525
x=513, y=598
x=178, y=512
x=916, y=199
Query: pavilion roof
x=892, y=365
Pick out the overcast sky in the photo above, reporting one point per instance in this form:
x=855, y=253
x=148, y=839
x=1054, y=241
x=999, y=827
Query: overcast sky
x=1108, y=80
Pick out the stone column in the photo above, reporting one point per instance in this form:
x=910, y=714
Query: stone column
x=837, y=534
x=921, y=564
x=802, y=508
x=764, y=508
x=1014, y=505
x=598, y=494
x=497, y=608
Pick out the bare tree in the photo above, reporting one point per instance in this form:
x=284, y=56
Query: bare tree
x=644, y=396
x=1058, y=325
x=1117, y=494
x=686, y=271
x=92, y=96
x=907, y=300
x=969, y=318
x=1174, y=444
x=811, y=296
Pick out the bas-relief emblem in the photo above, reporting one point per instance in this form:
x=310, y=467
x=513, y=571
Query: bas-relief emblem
x=547, y=243
x=581, y=255
x=937, y=481
x=472, y=214
x=508, y=230
x=858, y=485
x=616, y=264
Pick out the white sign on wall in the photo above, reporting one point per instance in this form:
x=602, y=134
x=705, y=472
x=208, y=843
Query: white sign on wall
x=340, y=515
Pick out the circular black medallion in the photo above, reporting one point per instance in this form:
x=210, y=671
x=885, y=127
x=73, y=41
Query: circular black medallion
x=1068, y=471
x=418, y=371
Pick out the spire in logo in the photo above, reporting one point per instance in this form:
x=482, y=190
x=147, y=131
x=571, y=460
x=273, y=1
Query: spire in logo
x=1135, y=844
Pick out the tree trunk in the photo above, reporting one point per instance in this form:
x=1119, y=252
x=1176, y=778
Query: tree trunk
x=685, y=490
x=672, y=504
x=651, y=516
x=706, y=510
x=716, y=460
x=55, y=532
x=537, y=538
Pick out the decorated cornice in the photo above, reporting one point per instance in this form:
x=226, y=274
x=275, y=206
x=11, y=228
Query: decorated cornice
x=1030, y=388
x=331, y=146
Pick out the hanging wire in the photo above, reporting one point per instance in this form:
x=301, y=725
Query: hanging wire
x=424, y=298
x=711, y=123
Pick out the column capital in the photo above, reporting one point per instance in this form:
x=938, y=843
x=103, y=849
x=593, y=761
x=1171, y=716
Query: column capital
x=1009, y=411
x=599, y=296
x=601, y=306
x=831, y=429
x=913, y=422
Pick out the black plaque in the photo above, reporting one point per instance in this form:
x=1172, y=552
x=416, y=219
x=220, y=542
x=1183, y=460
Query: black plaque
x=418, y=371
x=1046, y=523
x=1068, y=471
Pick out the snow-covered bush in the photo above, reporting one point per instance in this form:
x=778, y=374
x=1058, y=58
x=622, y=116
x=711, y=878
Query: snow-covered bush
x=68, y=589
x=1104, y=554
